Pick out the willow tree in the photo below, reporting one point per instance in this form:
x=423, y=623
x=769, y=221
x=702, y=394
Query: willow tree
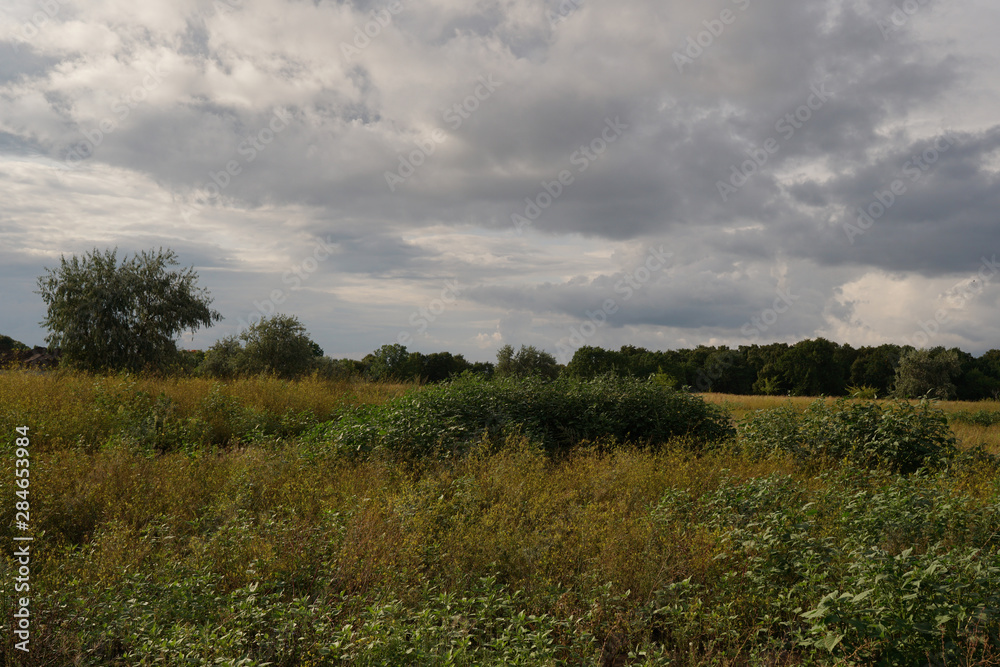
x=107, y=316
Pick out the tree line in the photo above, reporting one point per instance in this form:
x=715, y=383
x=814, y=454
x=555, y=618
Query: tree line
x=109, y=316
x=812, y=367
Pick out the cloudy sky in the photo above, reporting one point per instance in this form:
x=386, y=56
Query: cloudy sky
x=461, y=175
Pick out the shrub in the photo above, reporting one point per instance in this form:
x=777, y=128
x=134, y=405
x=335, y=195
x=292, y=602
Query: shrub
x=979, y=417
x=897, y=436
x=897, y=609
x=560, y=414
x=865, y=392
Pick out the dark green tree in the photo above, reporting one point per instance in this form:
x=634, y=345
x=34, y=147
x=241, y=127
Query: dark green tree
x=763, y=359
x=107, y=316
x=223, y=359
x=811, y=368
x=726, y=371
x=588, y=362
x=439, y=366
x=8, y=344
x=279, y=346
x=526, y=362
x=876, y=367
x=390, y=363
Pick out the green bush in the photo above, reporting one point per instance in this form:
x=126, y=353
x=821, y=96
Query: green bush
x=871, y=567
x=978, y=418
x=897, y=436
x=559, y=414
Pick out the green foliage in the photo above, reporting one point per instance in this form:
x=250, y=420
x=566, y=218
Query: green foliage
x=277, y=346
x=526, y=362
x=864, y=392
x=810, y=368
x=927, y=373
x=896, y=436
x=335, y=370
x=588, y=362
x=263, y=556
x=559, y=413
x=222, y=360
x=767, y=384
x=827, y=569
x=388, y=363
x=105, y=316
x=8, y=344
x=979, y=417
x=875, y=367
x=726, y=371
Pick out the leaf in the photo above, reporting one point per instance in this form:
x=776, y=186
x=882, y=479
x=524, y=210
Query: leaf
x=830, y=641
x=863, y=595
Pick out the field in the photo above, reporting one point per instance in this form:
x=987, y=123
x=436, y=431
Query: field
x=186, y=522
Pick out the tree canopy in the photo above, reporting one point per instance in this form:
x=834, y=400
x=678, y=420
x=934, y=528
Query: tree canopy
x=526, y=362
x=107, y=316
x=278, y=345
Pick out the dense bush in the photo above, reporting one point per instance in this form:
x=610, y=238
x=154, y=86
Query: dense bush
x=873, y=568
x=897, y=436
x=559, y=414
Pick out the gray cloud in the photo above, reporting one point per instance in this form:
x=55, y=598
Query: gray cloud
x=187, y=157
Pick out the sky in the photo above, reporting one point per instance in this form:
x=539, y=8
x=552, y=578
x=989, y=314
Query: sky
x=463, y=175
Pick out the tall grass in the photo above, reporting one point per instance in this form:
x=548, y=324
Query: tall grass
x=68, y=409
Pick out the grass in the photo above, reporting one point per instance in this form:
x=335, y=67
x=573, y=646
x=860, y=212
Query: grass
x=77, y=410
x=261, y=552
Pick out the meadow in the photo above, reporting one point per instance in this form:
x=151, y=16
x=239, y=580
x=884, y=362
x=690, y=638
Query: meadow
x=266, y=522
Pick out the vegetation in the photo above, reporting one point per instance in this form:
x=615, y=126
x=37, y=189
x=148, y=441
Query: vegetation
x=263, y=504
x=110, y=317
x=82, y=412
x=815, y=367
x=277, y=346
x=558, y=415
x=526, y=362
x=898, y=436
x=8, y=344
x=589, y=536
x=928, y=373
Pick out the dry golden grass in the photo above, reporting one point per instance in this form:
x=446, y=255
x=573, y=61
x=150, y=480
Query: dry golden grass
x=71, y=409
